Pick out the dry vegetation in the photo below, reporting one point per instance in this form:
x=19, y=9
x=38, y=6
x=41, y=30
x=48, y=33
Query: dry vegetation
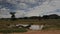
x=49, y=23
x=27, y=21
x=54, y=22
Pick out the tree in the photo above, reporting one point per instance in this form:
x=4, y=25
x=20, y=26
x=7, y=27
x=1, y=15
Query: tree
x=45, y=16
x=12, y=15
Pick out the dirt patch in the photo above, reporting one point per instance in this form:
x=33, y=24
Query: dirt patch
x=41, y=32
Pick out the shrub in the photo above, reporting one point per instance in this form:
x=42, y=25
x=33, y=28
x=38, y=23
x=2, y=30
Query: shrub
x=13, y=30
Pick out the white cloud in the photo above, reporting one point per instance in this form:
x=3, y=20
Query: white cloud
x=22, y=6
x=20, y=13
x=12, y=1
x=21, y=1
x=4, y=13
x=48, y=7
x=25, y=3
x=31, y=1
x=44, y=8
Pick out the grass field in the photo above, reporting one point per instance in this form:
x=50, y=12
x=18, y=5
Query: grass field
x=49, y=23
x=34, y=21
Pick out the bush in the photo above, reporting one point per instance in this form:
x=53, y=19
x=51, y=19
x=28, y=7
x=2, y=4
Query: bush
x=13, y=30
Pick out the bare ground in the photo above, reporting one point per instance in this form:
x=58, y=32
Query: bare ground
x=41, y=32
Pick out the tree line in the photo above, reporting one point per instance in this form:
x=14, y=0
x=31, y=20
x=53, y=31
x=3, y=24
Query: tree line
x=52, y=16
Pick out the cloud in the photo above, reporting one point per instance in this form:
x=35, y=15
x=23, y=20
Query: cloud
x=20, y=13
x=18, y=5
x=57, y=11
x=4, y=13
x=29, y=7
x=31, y=1
x=45, y=9
x=22, y=6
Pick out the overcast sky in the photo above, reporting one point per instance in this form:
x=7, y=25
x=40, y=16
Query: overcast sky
x=29, y=7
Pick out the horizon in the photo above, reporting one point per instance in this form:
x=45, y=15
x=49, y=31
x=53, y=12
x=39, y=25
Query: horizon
x=38, y=16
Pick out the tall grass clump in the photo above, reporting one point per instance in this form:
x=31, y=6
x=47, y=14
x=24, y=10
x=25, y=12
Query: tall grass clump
x=13, y=30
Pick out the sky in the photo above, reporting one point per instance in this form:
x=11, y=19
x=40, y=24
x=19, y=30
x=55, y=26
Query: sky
x=28, y=8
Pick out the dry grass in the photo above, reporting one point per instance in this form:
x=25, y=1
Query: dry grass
x=41, y=32
x=52, y=22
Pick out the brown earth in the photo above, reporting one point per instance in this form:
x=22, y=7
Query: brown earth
x=41, y=32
